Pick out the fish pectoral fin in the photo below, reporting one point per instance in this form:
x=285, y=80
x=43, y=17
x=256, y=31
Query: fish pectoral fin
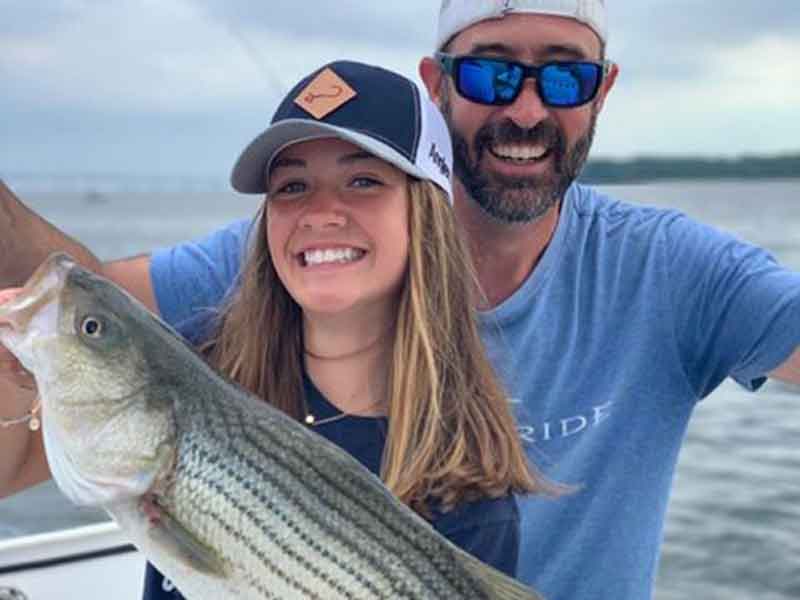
x=499, y=586
x=181, y=543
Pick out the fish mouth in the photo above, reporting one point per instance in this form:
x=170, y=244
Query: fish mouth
x=42, y=287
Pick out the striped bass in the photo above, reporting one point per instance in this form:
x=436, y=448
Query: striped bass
x=250, y=503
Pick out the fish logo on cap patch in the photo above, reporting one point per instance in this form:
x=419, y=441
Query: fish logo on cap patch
x=325, y=94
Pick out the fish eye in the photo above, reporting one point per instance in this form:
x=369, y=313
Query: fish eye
x=92, y=327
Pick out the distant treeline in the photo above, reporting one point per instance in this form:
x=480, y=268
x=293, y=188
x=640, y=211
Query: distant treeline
x=644, y=169
x=598, y=171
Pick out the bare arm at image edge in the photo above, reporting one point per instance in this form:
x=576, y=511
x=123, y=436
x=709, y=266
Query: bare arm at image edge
x=26, y=240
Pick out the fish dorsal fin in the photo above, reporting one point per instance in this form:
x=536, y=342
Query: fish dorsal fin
x=185, y=547
x=499, y=586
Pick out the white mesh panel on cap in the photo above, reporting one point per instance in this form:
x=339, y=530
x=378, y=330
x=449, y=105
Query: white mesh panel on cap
x=457, y=15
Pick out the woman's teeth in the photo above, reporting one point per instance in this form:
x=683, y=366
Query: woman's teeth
x=339, y=255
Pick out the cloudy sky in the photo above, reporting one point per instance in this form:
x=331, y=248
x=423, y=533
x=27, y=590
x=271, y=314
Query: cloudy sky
x=177, y=87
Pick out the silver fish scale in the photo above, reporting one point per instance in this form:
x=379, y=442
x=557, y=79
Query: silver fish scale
x=292, y=516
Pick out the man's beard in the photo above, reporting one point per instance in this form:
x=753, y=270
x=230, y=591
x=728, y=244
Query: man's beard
x=517, y=199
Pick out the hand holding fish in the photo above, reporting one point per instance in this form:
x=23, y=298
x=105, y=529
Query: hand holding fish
x=21, y=444
x=11, y=370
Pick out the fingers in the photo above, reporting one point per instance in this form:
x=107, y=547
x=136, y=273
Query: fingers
x=10, y=368
x=9, y=294
x=13, y=372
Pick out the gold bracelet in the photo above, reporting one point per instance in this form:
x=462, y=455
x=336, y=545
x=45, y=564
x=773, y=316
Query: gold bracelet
x=31, y=419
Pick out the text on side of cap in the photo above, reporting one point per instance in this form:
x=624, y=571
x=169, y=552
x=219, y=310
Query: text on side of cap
x=325, y=94
x=439, y=160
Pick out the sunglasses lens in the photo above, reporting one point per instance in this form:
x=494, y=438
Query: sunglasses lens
x=569, y=84
x=489, y=81
x=476, y=82
x=496, y=81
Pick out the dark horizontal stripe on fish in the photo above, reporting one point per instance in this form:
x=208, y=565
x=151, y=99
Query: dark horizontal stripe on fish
x=234, y=532
x=259, y=473
x=420, y=571
x=359, y=493
x=256, y=472
x=368, y=519
x=249, y=471
x=269, y=533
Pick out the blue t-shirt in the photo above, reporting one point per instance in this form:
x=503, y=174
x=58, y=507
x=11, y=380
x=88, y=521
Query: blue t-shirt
x=632, y=315
x=488, y=529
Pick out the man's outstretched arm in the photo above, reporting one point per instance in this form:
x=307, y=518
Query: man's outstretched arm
x=789, y=371
x=26, y=240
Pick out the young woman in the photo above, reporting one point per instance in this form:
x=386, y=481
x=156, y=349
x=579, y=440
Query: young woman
x=354, y=307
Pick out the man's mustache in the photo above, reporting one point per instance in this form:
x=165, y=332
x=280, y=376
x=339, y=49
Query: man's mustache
x=545, y=133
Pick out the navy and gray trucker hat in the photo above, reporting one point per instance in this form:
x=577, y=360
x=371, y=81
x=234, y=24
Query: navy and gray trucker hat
x=378, y=110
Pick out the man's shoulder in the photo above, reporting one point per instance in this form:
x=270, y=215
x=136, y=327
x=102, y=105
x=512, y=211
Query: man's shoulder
x=594, y=214
x=590, y=203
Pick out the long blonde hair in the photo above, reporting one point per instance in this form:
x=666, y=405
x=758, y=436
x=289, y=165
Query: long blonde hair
x=451, y=435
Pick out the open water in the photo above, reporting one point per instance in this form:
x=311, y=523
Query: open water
x=733, y=529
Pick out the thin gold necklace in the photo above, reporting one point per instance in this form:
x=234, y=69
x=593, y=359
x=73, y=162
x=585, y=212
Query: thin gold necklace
x=312, y=421
x=350, y=354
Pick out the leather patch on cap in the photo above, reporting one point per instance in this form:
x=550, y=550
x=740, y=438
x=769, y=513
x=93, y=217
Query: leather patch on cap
x=325, y=94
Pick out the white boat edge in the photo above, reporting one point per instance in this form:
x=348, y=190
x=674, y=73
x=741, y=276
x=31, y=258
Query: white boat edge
x=91, y=562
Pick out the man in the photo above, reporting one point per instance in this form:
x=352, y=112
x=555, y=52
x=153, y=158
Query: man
x=607, y=322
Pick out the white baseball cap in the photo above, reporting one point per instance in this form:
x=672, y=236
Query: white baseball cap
x=457, y=15
x=378, y=110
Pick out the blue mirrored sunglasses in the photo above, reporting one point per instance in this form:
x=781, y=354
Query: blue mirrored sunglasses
x=496, y=81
